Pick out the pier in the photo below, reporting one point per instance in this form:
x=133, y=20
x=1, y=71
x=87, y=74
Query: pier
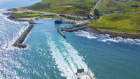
x=72, y=29
x=77, y=25
x=69, y=29
x=60, y=31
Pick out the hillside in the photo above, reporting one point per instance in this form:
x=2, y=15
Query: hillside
x=74, y=7
x=117, y=22
x=119, y=6
x=118, y=16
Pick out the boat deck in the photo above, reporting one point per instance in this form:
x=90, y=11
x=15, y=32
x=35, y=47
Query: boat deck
x=85, y=75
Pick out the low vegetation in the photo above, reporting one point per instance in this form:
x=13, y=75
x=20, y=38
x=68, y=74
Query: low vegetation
x=73, y=7
x=41, y=15
x=126, y=20
x=110, y=5
x=27, y=15
x=117, y=22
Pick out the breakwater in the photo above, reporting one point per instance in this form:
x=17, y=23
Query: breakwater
x=77, y=25
x=20, y=40
x=61, y=33
x=72, y=29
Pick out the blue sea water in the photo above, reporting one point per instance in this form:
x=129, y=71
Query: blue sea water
x=50, y=56
x=16, y=3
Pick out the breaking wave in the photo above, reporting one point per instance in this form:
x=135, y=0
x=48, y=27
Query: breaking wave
x=106, y=37
x=9, y=32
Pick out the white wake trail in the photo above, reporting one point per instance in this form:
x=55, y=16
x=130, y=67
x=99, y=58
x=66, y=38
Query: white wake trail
x=66, y=57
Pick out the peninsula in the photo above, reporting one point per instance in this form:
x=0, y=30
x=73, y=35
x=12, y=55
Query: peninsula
x=117, y=18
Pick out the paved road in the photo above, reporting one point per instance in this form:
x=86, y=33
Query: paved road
x=96, y=6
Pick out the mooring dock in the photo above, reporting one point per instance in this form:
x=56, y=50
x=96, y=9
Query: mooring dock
x=75, y=27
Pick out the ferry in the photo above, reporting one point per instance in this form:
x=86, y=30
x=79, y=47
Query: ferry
x=81, y=74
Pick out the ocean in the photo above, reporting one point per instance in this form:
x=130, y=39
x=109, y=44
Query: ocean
x=49, y=56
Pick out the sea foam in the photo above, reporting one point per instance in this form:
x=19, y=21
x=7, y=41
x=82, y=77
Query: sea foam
x=66, y=57
x=106, y=37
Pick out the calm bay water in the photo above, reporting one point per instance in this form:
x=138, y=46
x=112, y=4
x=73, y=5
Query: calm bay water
x=49, y=56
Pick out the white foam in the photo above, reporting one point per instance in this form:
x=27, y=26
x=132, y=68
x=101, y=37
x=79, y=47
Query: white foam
x=66, y=58
x=2, y=10
x=85, y=34
x=9, y=44
x=10, y=32
x=85, y=77
x=106, y=38
x=7, y=64
x=5, y=16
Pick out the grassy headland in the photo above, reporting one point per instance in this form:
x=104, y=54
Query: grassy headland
x=128, y=21
x=41, y=15
x=117, y=22
x=27, y=15
x=72, y=7
x=119, y=6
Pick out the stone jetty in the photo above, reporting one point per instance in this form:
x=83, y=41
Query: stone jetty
x=20, y=40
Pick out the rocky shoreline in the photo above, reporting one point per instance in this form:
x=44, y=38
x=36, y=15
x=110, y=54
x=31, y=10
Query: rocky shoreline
x=114, y=34
x=92, y=29
x=21, y=39
x=11, y=13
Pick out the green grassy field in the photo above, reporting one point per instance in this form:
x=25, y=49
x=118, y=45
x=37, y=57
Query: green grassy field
x=73, y=7
x=116, y=22
x=27, y=15
x=41, y=15
x=119, y=6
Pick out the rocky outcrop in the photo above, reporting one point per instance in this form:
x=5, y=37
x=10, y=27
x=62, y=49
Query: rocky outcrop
x=115, y=33
x=21, y=39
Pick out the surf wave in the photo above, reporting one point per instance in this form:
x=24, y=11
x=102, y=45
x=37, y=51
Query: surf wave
x=106, y=37
x=10, y=31
x=2, y=10
x=66, y=57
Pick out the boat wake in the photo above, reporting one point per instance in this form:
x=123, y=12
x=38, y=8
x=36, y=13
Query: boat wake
x=106, y=37
x=66, y=57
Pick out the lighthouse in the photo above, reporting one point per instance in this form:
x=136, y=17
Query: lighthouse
x=26, y=10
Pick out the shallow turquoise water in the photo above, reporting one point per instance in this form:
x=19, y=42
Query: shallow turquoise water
x=50, y=56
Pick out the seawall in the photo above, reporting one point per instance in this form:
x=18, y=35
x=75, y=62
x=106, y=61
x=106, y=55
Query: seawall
x=20, y=40
x=61, y=33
